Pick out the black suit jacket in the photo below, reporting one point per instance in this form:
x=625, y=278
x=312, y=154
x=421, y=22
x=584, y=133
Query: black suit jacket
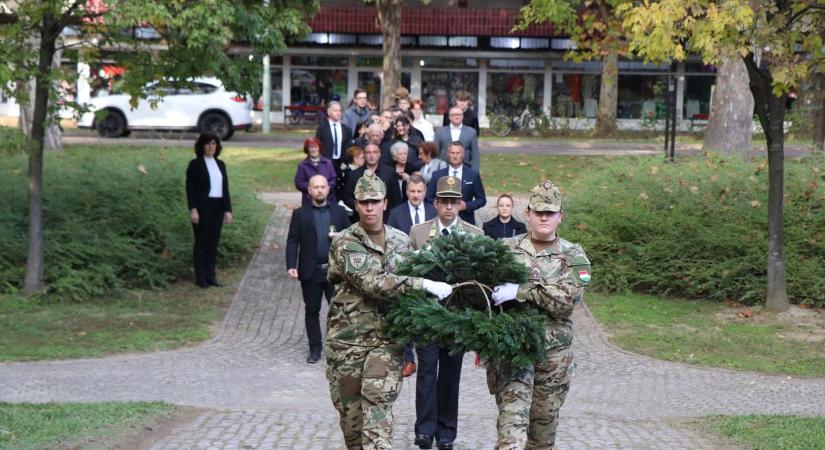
x=301, y=241
x=198, y=184
x=324, y=134
x=472, y=191
x=470, y=119
x=496, y=230
x=400, y=216
x=390, y=179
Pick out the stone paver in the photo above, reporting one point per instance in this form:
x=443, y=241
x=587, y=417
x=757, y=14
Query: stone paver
x=260, y=393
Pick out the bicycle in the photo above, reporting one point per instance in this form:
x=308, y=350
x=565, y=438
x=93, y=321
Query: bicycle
x=502, y=124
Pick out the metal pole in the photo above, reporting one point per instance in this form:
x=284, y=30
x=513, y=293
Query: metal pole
x=667, y=117
x=266, y=123
x=673, y=118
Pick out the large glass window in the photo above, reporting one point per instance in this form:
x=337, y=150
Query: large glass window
x=697, y=97
x=276, y=98
x=642, y=97
x=318, y=86
x=512, y=92
x=576, y=94
x=438, y=89
x=371, y=82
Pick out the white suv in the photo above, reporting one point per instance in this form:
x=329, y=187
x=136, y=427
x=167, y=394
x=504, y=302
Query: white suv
x=205, y=106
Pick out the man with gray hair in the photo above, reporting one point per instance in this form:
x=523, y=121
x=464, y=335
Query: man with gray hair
x=335, y=138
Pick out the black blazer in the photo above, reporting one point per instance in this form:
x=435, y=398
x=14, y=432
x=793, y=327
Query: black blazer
x=497, y=230
x=324, y=134
x=470, y=119
x=198, y=184
x=390, y=179
x=400, y=216
x=472, y=191
x=301, y=239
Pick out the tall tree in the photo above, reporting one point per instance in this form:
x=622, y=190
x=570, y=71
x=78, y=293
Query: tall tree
x=597, y=33
x=389, y=20
x=194, y=39
x=780, y=43
x=731, y=115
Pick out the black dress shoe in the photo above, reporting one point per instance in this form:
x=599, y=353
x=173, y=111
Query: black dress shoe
x=314, y=357
x=215, y=283
x=445, y=445
x=424, y=441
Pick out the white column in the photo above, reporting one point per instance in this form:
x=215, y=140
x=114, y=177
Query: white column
x=84, y=90
x=548, y=88
x=266, y=118
x=286, y=84
x=481, y=108
x=415, y=78
x=680, y=91
x=352, y=80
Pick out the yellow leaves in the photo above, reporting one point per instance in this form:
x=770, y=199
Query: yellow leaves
x=694, y=189
x=755, y=203
x=142, y=169
x=654, y=170
x=643, y=196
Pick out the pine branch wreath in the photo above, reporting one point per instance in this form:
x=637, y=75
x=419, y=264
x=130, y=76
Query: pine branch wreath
x=467, y=321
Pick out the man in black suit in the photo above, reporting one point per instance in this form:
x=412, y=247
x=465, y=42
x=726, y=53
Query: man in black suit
x=335, y=138
x=462, y=100
x=472, y=190
x=307, y=255
x=404, y=216
x=372, y=157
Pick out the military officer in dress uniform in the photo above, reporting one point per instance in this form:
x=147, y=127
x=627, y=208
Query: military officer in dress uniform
x=363, y=362
x=529, y=400
x=439, y=373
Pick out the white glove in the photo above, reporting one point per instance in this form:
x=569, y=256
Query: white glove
x=437, y=288
x=504, y=293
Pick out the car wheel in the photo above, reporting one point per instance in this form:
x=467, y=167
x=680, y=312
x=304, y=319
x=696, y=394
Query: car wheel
x=112, y=125
x=217, y=123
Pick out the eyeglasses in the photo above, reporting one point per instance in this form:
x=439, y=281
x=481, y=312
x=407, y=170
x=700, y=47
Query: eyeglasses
x=361, y=98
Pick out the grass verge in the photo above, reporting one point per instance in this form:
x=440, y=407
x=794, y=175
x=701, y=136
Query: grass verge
x=770, y=432
x=712, y=334
x=131, y=321
x=75, y=425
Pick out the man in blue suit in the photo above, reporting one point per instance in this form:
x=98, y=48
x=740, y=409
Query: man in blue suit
x=472, y=190
x=403, y=217
x=456, y=131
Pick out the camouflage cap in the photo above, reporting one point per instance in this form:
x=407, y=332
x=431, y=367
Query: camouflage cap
x=370, y=187
x=545, y=197
x=448, y=186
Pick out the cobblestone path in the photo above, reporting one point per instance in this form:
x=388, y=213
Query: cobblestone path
x=259, y=392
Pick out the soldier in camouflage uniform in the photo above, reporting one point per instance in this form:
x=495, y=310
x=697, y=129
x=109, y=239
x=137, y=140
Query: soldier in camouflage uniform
x=363, y=362
x=529, y=400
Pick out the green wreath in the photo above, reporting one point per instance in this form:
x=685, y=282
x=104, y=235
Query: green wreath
x=467, y=320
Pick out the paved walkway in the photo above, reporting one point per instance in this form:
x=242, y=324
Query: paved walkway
x=259, y=392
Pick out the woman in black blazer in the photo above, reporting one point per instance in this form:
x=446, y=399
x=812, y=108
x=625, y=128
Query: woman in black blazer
x=504, y=225
x=207, y=193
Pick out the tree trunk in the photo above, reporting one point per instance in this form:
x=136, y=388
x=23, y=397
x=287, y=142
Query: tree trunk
x=53, y=139
x=731, y=116
x=34, y=262
x=608, y=95
x=770, y=109
x=389, y=19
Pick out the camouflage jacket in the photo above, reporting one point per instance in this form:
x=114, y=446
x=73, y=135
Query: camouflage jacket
x=558, y=277
x=363, y=274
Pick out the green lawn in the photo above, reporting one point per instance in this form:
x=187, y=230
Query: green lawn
x=770, y=432
x=707, y=334
x=85, y=426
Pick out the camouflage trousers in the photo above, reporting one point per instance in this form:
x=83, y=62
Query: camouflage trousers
x=363, y=384
x=529, y=400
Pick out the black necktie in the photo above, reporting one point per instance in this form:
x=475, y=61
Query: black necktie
x=417, y=219
x=455, y=173
x=445, y=232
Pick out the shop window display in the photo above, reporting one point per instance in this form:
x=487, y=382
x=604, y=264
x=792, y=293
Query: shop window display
x=438, y=89
x=697, y=97
x=511, y=93
x=576, y=95
x=642, y=97
x=316, y=87
x=371, y=82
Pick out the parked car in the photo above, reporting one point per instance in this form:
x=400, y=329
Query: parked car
x=203, y=106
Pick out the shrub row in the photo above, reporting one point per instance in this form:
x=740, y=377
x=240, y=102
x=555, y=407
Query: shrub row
x=698, y=228
x=114, y=218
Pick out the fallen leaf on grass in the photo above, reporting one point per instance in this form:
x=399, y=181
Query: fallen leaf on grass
x=142, y=169
x=81, y=333
x=274, y=247
x=745, y=313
